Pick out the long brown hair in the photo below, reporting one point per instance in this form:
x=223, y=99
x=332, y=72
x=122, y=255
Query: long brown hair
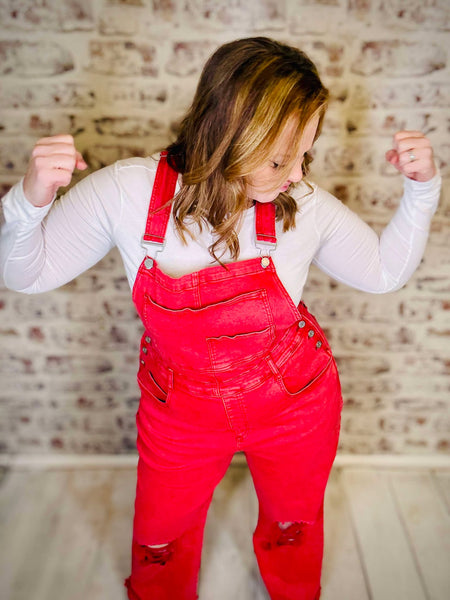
x=248, y=91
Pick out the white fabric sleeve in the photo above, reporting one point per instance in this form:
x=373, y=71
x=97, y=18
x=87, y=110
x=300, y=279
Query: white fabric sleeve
x=352, y=253
x=44, y=248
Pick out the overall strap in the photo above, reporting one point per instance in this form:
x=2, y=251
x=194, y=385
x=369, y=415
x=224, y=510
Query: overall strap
x=159, y=212
x=159, y=209
x=266, y=237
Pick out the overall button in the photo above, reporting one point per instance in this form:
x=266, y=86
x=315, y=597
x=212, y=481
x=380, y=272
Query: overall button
x=148, y=263
x=265, y=262
x=319, y=345
x=144, y=350
x=311, y=333
x=147, y=339
x=301, y=324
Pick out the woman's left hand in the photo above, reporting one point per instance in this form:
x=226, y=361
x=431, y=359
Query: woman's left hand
x=412, y=155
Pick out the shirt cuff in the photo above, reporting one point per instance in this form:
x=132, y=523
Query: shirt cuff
x=424, y=194
x=16, y=207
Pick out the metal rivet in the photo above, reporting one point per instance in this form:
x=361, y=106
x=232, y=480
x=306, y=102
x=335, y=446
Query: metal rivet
x=142, y=362
x=144, y=350
x=147, y=339
x=318, y=345
x=301, y=324
x=265, y=261
x=148, y=262
x=311, y=333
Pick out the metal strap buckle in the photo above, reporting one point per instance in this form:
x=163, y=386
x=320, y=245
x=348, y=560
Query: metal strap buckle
x=265, y=247
x=151, y=247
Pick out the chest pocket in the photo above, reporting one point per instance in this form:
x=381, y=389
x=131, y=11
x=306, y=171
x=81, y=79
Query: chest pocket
x=214, y=335
x=227, y=352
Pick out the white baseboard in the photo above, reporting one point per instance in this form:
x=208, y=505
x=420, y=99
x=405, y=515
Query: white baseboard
x=105, y=461
x=426, y=461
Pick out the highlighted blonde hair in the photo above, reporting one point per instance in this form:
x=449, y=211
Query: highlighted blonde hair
x=248, y=91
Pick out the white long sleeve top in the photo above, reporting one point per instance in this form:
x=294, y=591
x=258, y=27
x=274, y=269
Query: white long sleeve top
x=44, y=248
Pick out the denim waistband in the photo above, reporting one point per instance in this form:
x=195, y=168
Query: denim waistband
x=242, y=376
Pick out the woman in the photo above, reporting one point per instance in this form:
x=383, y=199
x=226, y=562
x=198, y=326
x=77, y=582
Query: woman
x=231, y=360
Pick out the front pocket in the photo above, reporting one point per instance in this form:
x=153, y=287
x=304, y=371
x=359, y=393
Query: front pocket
x=151, y=389
x=304, y=366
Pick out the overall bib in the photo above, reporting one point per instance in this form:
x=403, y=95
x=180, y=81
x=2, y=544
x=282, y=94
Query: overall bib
x=228, y=363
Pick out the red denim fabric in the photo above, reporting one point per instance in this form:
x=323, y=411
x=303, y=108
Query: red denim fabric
x=228, y=363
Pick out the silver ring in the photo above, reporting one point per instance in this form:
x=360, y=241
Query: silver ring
x=412, y=156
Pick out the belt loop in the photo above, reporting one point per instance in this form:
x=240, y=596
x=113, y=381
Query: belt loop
x=272, y=366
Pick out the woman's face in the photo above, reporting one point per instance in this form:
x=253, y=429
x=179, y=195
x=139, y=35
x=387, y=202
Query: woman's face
x=263, y=184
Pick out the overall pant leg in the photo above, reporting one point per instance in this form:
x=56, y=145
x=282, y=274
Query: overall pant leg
x=290, y=559
x=290, y=459
x=183, y=456
x=170, y=570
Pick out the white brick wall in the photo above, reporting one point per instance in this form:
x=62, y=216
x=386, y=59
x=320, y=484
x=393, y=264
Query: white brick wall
x=118, y=74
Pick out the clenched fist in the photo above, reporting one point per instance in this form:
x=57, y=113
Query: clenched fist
x=53, y=161
x=412, y=155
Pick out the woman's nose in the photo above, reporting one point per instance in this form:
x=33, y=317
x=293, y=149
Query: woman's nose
x=296, y=173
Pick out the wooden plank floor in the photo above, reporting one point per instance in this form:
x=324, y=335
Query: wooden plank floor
x=65, y=535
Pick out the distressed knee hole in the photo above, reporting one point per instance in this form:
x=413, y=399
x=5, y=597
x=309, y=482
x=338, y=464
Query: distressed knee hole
x=290, y=533
x=158, y=554
x=284, y=533
x=285, y=525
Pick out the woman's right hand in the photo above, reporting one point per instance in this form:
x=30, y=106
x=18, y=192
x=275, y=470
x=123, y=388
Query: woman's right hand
x=53, y=160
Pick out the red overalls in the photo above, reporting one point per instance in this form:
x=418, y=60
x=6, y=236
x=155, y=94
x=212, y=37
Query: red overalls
x=228, y=363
